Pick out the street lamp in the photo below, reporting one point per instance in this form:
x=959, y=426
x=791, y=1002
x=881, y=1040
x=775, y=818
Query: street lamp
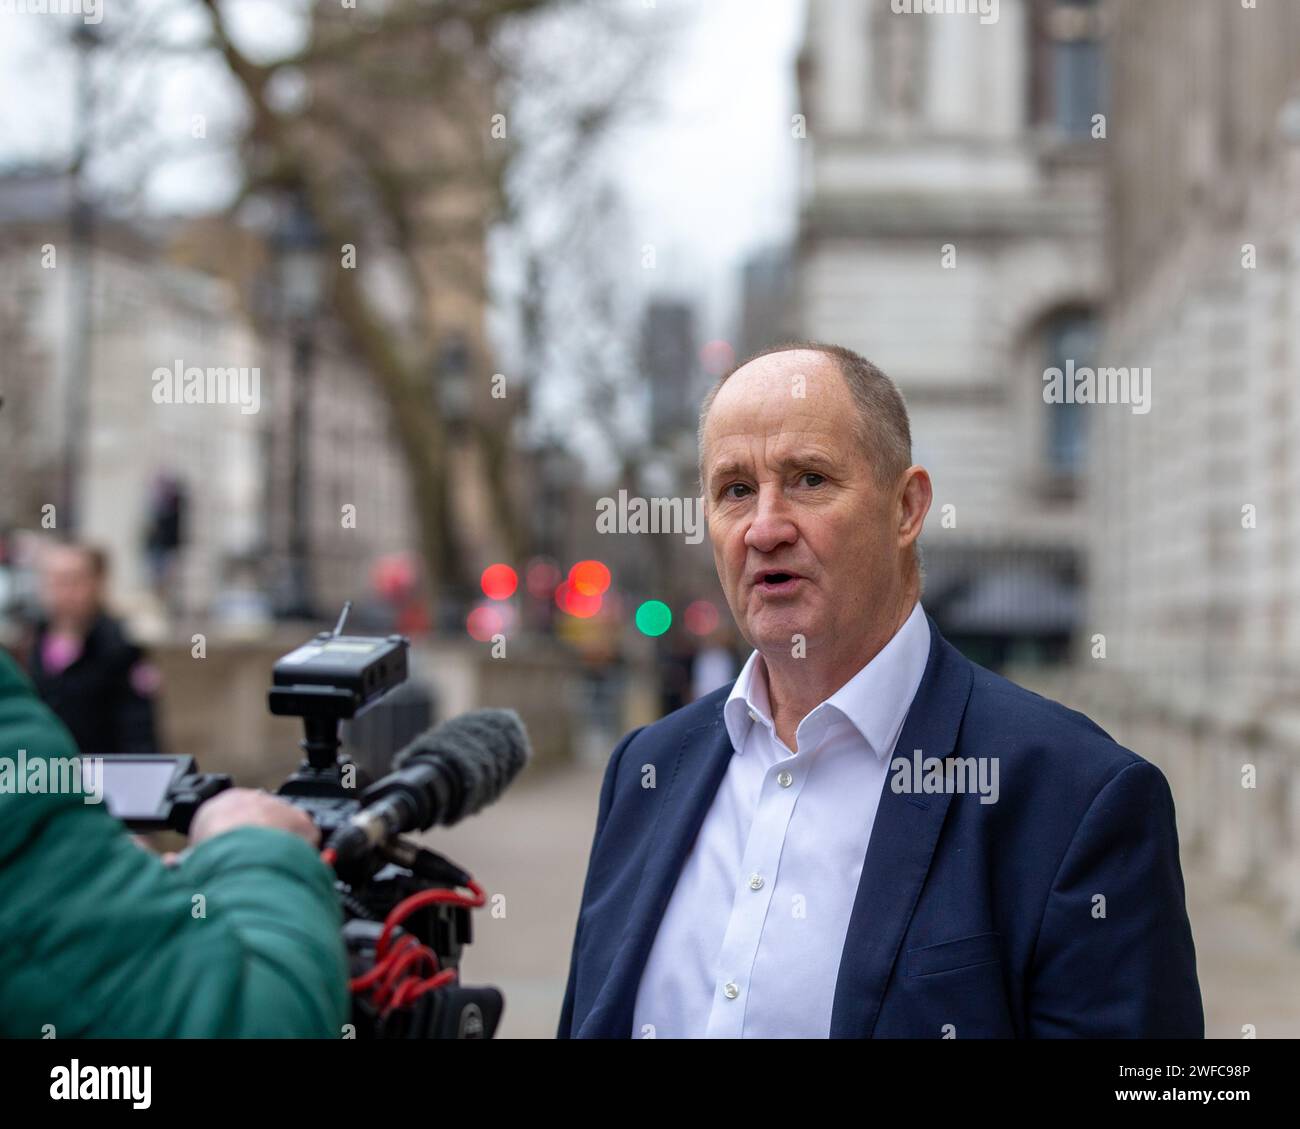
x=298, y=245
x=81, y=317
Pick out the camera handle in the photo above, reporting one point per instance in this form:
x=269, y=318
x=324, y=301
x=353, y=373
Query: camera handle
x=321, y=743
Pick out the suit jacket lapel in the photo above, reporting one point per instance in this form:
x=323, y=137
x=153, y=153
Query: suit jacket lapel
x=693, y=780
x=902, y=845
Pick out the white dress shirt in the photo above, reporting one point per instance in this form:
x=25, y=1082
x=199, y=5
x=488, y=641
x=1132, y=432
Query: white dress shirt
x=750, y=944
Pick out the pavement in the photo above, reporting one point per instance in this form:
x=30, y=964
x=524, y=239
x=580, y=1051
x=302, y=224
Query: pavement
x=529, y=852
x=1249, y=971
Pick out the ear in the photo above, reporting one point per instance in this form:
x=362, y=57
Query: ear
x=913, y=504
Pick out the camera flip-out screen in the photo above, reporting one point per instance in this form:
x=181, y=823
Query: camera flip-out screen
x=137, y=789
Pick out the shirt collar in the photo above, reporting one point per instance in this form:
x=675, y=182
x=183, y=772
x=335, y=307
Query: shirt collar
x=747, y=702
x=874, y=701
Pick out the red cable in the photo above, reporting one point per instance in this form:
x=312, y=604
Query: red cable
x=381, y=967
x=408, y=906
x=412, y=989
x=390, y=972
x=399, y=965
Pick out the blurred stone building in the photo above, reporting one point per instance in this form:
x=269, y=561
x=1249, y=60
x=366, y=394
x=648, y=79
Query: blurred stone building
x=153, y=307
x=142, y=314
x=324, y=442
x=1195, y=531
x=767, y=312
x=951, y=231
x=669, y=363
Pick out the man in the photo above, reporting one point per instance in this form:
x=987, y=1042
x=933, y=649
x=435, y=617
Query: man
x=765, y=865
x=97, y=682
x=101, y=939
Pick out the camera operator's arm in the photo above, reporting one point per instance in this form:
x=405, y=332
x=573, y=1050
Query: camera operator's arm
x=101, y=939
x=255, y=857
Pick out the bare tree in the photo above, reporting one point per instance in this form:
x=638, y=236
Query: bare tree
x=449, y=78
x=395, y=129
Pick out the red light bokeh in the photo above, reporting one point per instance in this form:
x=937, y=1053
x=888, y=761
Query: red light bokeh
x=499, y=582
x=589, y=578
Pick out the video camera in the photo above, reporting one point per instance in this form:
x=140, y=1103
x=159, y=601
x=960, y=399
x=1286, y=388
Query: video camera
x=405, y=917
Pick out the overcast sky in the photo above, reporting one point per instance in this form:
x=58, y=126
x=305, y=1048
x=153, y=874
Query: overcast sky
x=717, y=175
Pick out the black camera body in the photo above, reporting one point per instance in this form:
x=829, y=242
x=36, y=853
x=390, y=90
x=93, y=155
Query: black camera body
x=330, y=679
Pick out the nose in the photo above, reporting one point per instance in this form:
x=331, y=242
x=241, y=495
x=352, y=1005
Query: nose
x=771, y=525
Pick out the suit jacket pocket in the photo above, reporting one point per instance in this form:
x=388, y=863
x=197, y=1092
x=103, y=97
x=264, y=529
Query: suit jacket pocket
x=947, y=956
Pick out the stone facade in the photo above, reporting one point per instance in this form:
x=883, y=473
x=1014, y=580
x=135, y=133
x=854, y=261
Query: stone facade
x=1194, y=528
x=147, y=314
x=951, y=224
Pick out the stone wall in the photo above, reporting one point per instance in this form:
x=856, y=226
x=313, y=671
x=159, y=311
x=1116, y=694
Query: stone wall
x=215, y=708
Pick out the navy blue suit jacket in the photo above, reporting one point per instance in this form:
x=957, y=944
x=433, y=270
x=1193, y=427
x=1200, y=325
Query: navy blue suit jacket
x=970, y=920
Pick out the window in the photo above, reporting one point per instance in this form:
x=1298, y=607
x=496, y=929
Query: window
x=1069, y=79
x=1071, y=343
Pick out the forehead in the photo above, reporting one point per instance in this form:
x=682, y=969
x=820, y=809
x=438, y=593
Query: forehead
x=783, y=402
x=64, y=561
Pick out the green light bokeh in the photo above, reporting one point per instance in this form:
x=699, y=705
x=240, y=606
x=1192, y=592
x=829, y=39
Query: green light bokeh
x=654, y=617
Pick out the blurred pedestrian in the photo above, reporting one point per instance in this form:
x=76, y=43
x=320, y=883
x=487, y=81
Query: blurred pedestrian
x=84, y=667
x=676, y=661
x=164, y=538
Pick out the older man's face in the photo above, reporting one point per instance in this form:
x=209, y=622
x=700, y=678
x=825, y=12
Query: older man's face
x=805, y=541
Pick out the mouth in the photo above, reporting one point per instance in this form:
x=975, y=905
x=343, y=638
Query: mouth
x=776, y=582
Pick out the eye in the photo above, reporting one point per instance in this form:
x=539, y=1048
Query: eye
x=727, y=490
x=810, y=474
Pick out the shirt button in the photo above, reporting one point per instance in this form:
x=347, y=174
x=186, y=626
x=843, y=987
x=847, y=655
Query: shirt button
x=755, y=881
x=730, y=991
x=752, y=715
x=785, y=780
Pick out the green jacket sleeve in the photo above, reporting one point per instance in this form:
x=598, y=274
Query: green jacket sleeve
x=102, y=940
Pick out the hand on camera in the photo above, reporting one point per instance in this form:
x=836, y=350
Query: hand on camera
x=246, y=807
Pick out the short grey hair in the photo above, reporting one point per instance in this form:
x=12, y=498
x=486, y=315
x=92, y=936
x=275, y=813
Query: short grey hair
x=882, y=427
